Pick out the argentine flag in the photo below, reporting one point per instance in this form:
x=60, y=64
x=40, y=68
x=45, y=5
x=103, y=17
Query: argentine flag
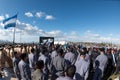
x=10, y=22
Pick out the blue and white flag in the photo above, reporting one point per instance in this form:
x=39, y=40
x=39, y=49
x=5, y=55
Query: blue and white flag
x=10, y=22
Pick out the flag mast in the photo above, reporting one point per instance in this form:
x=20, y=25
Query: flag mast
x=14, y=33
x=14, y=39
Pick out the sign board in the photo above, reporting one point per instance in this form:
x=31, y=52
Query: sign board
x=46, y=41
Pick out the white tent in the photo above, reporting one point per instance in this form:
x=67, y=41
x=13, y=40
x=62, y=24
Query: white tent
x=60, y=42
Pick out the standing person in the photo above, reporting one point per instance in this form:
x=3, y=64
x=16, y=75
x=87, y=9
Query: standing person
x=58, y=65
x=98, y=71
x=70, y=57
x=82, y=68
x=54, y=52
x=38, y=73
x=69, y=73
x=32, y=59
x=15, y=65
x=102, y=58
x=37, y=52
x=46, y=60
x=87, y=57
x=117, y=63
x=94, y=54
x=111, y=63
x=24, y=67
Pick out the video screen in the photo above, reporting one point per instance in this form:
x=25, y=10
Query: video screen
x=47, y=41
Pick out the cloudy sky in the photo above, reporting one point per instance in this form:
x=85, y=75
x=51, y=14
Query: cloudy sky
x=72, y=20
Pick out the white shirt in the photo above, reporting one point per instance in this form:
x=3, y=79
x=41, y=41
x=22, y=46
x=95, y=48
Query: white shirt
x=53, y=54
x=31, y=60
x=64, y=78
x=42, y=57
x=70, y=57
x=82, y=68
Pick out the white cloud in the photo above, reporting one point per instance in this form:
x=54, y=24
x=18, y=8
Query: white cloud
x=73, y=33
x=88, y=36
x=88, y=31
x=111, y=34
x=54, y=33
x=2, y=18
x=7, y=15
x=30, y=33
x=95, y=37
x=3, y=33
x=72, y=36
x=6, y=34
x=1, y=25
x=29, y=14
x=39, y=14
x=28, y=29
x=49, y=17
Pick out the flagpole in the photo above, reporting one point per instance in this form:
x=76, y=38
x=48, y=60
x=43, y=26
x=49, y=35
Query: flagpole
x=14, y=35
x=14, y=39
x=20, y=36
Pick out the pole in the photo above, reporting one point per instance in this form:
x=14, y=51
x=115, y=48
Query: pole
x=13, y=41
x=14, y=36
x=20, y=36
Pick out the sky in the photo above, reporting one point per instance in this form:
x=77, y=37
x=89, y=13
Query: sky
x=70, y=20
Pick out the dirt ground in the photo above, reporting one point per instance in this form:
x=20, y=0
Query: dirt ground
x=13, y=79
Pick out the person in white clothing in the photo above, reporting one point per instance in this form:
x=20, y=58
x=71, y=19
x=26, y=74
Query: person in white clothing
x=24, y=67
x=45, y=60
x=15, y=65
x=32, y=61
x=54, y=53
x=70, y=57
x=82, y=68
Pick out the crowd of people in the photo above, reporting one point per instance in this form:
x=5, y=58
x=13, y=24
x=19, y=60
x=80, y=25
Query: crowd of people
x=67, y=62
